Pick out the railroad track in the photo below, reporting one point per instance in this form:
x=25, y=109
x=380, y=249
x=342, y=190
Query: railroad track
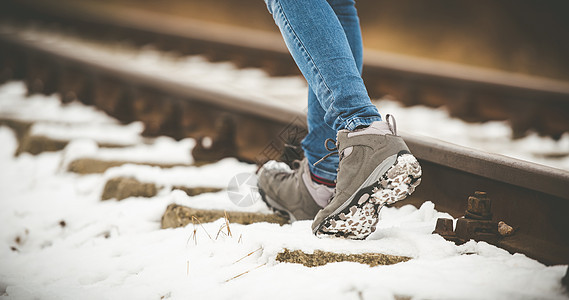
x=529, y=197
x=473, y=94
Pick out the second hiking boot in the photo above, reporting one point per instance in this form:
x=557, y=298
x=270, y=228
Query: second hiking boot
x=292, y=192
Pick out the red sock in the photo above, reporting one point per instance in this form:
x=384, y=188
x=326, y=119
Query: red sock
x=320, y=180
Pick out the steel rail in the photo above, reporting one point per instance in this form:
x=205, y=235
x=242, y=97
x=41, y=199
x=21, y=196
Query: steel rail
x=529, y=196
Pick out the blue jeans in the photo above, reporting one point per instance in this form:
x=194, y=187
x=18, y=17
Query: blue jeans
x=324, y=39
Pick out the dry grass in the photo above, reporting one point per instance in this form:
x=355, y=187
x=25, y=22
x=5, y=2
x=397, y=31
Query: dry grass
x=320, y=258
x=241, y=274
x=180, y=216
x=194, y=235
x=249, y=254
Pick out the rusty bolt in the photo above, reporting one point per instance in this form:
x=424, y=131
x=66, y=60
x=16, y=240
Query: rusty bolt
x=445, y=229
x=479, y=207
x=478, y=230
x=444, y=226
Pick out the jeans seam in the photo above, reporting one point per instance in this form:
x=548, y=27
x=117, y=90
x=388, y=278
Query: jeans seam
x=310, y=59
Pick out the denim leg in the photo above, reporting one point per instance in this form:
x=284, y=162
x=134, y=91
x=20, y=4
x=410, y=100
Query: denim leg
x=319, y=45
x=347, y=14
x=313, y=143
x=318, y=130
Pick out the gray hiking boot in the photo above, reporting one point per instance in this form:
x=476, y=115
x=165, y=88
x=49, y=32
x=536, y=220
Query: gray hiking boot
x=376, y=168
x=292, y=192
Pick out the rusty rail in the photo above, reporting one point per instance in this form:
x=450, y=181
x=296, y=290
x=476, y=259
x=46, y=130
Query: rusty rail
x=533, y=198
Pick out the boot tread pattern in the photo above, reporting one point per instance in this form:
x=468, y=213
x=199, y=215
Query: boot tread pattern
x=359, y=218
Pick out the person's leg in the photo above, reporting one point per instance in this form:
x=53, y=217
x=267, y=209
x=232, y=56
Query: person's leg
x=297, y=193
x=318, y=43
x=375, y=165
x=318, y=130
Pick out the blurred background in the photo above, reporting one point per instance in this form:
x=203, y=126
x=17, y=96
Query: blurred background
x=529, y=37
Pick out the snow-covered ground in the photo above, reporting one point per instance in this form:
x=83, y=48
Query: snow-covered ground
x=60, y=241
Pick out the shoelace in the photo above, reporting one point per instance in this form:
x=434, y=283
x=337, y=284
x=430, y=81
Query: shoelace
x=389, y=119
x=333, y=150
x=393, y=127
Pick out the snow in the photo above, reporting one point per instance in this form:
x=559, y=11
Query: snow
x=40, y=108
x=160, y=150
x=60, y=241
x=101, y=133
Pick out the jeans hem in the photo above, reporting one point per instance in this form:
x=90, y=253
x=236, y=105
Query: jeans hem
x=351, y=124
